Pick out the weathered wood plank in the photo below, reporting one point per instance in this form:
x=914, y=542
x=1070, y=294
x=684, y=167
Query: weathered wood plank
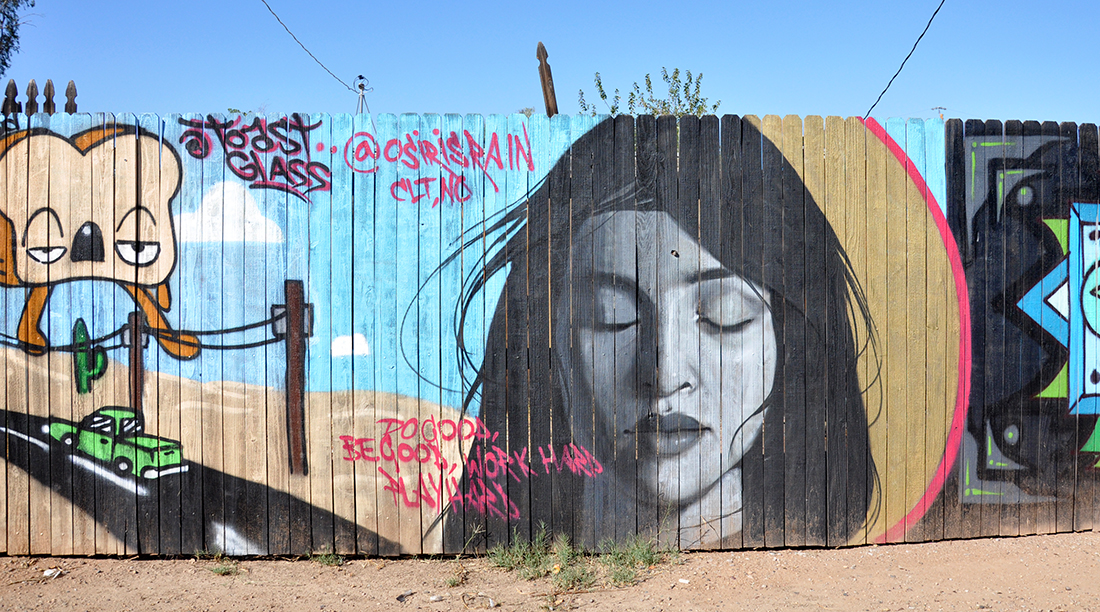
x=731, y=225
x=774, y=470
x=342, y=304
x=794, y=332
x=916, y=289
x=753, y=474
x=954, y=523
x=877, y=207
x=848, y=138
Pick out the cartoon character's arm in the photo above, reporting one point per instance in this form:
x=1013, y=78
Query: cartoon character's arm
x=180, y=346
x=32, y=338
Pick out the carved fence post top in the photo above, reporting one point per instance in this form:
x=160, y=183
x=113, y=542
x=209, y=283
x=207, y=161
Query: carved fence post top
x=32, y=97
x=70, y=98
x=11, y=105
x=48, y=106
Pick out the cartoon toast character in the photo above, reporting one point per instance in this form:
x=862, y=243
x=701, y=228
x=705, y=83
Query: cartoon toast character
x=94, y=206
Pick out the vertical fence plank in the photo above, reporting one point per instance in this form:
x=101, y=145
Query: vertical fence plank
x=1046, y=519
x=322, y=236
x=895, y=332
x=1088, y=173
x=342, y=304
x=104, y=318
x=61, y=199
x=187, y=314
x=794, y=332
x=732, y=225
x=774, y=469
x=713, y=231
x=408, y=318
x=916, y=292
x=666, y=199
x=645, y=353
x=386, y=305
x=625, y=462
x=682, y=347
x=37, y=375
x=1031, y=513
x=300, y=228
x=277, y=450
x=451, y=282
x=230, y=432
x=998, y=343
x=149, y=190
x=753, y=475
x=848, y=139
x=877, y=207
x=212, y=295
x=1066, y=458
x=535, y=139
x=518, y=407
x=362, y=156
x=604, y=505
x=18, y=480
x=427, y=298
x=813, y=428
x=253, y=507
x=818, y=190
x=465, y=526
x=954, y=520
x=938, y=418
x=564, y=491
x=1015, y=245
x=82, y=305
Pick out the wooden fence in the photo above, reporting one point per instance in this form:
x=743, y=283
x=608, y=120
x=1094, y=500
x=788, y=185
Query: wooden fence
x=414, y=334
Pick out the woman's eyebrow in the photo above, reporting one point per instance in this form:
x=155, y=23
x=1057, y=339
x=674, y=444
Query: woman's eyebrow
x=711, y=274
x=616, y=280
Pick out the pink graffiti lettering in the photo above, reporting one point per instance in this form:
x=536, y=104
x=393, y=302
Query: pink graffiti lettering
x=409, y=455
x=363, y=153
x=268, y=155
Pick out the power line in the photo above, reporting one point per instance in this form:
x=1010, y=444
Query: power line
x=936, y=12
x=304, y=47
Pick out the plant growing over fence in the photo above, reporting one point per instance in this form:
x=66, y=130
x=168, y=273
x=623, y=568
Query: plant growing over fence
x=683, y=97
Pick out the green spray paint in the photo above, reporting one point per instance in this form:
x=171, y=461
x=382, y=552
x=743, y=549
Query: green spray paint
x=89, y=362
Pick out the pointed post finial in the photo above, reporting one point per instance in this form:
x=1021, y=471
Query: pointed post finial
x=32, y=97
x=70, y=98
x=11, y=105
x=47, y=98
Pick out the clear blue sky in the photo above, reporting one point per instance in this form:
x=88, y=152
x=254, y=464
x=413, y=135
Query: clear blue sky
x=1005, y=60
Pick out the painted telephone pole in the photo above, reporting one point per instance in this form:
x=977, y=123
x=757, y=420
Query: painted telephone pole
x=294, y=326
x=135, y=336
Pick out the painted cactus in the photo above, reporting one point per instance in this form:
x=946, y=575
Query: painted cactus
x=89, y=362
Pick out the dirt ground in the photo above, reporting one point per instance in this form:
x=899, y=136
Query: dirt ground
x=1054, y=572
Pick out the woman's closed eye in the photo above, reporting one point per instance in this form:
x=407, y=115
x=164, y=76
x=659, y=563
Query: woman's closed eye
x=725, y=309
x=722, y=328
x=616, y=308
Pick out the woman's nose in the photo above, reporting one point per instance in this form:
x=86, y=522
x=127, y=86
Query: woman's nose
x=677, y=352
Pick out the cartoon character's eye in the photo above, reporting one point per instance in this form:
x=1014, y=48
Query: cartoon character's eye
x=46, y=255
x=136, y=252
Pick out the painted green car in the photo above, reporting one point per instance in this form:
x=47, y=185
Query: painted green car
x=116, y=436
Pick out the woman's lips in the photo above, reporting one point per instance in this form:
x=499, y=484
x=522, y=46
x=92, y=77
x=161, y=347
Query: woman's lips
x=669, y=434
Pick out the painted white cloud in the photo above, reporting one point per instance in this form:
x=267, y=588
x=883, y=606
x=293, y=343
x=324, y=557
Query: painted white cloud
x=229, y=210
x=346, y=346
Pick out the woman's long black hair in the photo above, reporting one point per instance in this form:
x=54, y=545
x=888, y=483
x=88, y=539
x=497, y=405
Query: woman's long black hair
x=808, y=478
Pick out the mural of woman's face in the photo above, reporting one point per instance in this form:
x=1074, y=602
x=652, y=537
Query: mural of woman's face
x=672, y=351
